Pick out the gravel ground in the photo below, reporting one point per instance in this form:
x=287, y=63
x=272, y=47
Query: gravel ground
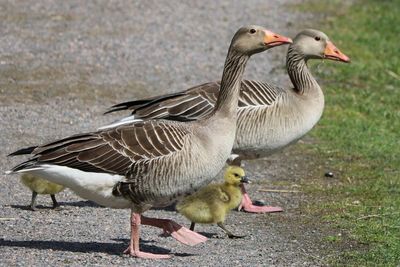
x=63, y=62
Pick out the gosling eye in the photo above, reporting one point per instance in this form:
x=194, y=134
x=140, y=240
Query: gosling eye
x=252, y=31
x=317, y=38
x=236, y=175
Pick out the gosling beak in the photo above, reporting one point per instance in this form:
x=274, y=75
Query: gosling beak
x=331, y=52
x=272, y=39
x=245, y=180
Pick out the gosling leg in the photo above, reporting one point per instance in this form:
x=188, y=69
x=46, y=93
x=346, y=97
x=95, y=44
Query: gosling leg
x=229, y=233
x=32, y=206
x=192, y=225
x=56, y=206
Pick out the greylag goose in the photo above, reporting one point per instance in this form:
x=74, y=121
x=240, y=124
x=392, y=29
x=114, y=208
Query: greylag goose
x=269, y=117
x=152, y=163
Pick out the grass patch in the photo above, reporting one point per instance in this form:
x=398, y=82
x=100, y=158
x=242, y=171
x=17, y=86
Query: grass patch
x=359, y=134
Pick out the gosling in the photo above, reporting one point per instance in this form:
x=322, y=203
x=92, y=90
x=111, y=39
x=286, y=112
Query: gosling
x=212, y=203
x=40, y=186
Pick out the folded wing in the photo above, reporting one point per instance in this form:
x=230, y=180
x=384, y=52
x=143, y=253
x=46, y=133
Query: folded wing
x=111, y=151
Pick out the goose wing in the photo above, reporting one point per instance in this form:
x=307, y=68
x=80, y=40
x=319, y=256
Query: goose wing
x=255, y=93
x=192, y=104
x=197, y=102
x=113, y=151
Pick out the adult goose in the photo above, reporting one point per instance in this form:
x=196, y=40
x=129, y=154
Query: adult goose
x=152, y=163
x=269, y=117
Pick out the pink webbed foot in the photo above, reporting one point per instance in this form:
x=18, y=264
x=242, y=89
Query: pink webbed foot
x=133, y=248
x=247, y=205
x=183, y=234
x=144, y=255
x=261, y=209
x=177, y=231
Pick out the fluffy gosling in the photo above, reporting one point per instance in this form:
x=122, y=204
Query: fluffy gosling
x=212, y=203
x=40, y=186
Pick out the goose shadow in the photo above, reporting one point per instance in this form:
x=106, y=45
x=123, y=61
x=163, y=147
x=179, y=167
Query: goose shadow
x=164, y=251
x=85, y=247
x=81, y=203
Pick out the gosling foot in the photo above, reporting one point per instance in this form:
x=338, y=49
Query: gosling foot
x=229, y=233
x=56, y=206
x=32, y=206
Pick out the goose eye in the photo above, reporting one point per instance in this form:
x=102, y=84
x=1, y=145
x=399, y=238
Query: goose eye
x=252, y=31
x=236, y=175
x=317, y=38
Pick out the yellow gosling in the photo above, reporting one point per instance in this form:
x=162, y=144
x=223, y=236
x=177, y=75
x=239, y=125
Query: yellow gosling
x=40, y=186
x=211, y=204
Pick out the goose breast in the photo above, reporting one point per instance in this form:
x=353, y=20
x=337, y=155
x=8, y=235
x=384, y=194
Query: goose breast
x=283, y=123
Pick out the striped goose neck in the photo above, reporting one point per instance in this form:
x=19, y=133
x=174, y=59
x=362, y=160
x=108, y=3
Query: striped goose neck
x=228, y=98
x=299, y=74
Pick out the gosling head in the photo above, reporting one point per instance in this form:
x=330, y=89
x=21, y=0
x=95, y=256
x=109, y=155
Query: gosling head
x=316, y=44
x=253, y=39
x=235, y=175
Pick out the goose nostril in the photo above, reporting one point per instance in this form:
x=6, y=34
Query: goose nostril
x=336, y=51
x=276, y=36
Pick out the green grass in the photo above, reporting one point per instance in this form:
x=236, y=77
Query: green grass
x=359, y=134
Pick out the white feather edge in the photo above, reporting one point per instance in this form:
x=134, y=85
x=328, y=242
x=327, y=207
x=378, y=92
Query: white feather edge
x=93, y=186
x=123, y=121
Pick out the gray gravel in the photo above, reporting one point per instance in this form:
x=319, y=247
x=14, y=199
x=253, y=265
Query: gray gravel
x=63, y=62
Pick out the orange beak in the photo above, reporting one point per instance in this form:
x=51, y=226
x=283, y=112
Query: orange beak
x=272, y=39
x=331, y=52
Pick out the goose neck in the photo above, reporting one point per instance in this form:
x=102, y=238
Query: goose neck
x=230, y=83
x=299, y=74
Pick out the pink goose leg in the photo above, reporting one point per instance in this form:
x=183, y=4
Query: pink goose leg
x=248, y=206
x=133, y=248
x=177, y=231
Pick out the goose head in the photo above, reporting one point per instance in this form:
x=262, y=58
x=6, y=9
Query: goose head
x=316, y=44
x=235, y=176
x=254, y=39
